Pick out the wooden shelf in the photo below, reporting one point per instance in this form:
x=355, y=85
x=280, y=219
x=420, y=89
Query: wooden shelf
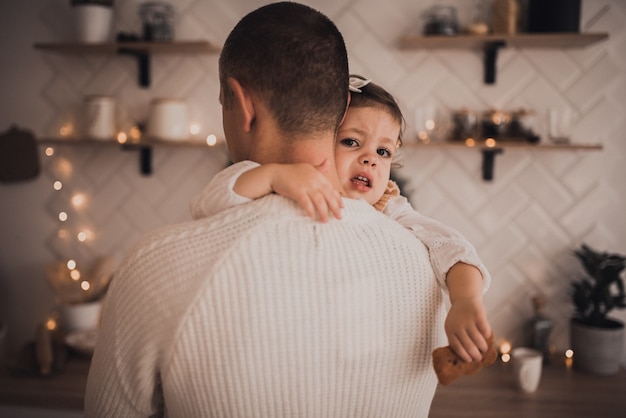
x=182, y=47
x=143, y=147
x=508, y=144
x=142, y=51
x=490, y=44
x=489, y=152
x=195, y=143
x=522, y=40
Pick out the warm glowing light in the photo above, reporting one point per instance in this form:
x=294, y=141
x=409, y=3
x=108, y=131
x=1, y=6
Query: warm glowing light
x=57, y=185
x=430, y=124
x=62, y=233
x=569, y=353
x=122, y=138
x=423, y=136
x=194, y=129
x=211, y=140
x=506, y=357
x=71, y=264
x=51, y=324
x=84, y=235
x=62, y=216
x=505, y=347
x=85, y=285
x=135, y=133
x=75, y=275
x=490, y=142
x=79, y=200
x=66, y=130
x=470, y=142
x=64, y=167
x=49, y=151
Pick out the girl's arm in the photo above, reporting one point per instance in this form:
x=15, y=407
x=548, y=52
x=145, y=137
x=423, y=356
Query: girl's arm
x=241, y=183
x=219, y=195
x=460, y=271
x=446, y=246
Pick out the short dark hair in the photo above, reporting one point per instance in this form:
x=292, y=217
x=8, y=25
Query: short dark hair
x=373, y=95
x=295, y=59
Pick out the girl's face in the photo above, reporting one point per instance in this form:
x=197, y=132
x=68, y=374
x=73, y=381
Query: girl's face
x=366, y=143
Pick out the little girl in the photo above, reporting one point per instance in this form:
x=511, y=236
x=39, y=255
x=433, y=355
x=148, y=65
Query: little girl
x=366, y=143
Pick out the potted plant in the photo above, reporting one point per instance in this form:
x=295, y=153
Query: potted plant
x=93, y=19
x=597, y=339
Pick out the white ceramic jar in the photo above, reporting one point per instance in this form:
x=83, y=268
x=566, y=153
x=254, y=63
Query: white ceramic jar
x=93, y=22
x=168, y=119
x=99, y=114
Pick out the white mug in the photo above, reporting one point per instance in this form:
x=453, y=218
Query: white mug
x=99, y=117
x=527, y=364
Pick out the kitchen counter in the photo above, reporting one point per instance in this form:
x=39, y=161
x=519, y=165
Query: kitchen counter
x=63, y=391
x=563, y=392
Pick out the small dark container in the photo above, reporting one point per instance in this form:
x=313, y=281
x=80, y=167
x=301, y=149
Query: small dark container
x=553, y=16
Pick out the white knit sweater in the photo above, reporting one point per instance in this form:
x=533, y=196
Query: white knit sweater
x=261, y=312
x=446, y=246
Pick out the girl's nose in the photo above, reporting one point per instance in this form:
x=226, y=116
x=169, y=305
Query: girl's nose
x=368, y=159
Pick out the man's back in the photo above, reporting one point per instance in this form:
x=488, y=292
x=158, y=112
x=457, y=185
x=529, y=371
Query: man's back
x=275, y=315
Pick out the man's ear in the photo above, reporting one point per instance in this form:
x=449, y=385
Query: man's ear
x=244, y=100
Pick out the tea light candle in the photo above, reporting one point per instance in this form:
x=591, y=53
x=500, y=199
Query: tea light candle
x=569, y=358
x=505, y=351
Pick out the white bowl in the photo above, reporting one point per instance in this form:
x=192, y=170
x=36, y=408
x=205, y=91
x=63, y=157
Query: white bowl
x=83, y=342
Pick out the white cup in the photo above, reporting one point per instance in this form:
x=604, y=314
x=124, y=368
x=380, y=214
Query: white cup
x=560, y=122
x=99, y=117
x=527, y=364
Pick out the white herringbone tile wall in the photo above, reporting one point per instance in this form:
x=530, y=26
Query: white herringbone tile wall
x=525, y=223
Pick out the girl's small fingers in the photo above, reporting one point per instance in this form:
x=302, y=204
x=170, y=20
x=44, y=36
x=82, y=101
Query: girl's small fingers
x=321, y=206
x=460, y=351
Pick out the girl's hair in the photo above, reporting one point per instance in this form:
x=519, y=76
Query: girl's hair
x=373, y=95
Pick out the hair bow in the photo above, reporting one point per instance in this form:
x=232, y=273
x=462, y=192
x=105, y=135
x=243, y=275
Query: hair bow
x=356, y=83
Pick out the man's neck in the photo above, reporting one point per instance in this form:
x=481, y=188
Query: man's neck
x=315, y=151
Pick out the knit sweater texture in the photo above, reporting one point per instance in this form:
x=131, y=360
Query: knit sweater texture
x=446, y=246
x=260, y=311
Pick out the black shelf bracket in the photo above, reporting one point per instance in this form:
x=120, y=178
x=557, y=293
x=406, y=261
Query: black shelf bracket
x=491, y=57
x=145, y=157
x=143, y=64
x=489, y=159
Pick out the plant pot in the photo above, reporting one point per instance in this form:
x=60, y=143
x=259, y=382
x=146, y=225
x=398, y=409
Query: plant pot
x=597, y=350
x=93, y=22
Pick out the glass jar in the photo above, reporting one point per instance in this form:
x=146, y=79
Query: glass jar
x=157, y=20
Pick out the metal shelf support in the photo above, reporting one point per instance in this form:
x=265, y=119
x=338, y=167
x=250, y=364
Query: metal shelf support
x=491, y=58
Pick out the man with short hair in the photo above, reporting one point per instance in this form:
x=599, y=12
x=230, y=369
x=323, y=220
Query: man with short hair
x=261, y=311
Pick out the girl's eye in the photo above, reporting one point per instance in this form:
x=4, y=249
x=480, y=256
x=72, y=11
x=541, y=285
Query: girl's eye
x=384, y=152
x=349, y=142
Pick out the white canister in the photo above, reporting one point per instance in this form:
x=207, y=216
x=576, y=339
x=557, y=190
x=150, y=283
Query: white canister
x=99, y=117
x=93, y=22
x=168, y=119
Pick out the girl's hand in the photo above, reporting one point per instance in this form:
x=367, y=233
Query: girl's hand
x=309, y=188
x=467, y=328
